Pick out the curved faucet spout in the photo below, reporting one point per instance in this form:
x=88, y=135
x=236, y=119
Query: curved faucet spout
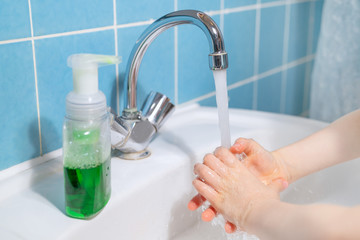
x=217, y=58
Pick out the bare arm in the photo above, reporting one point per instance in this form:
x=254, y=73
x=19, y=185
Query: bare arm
x=338, y=142
x=253, y=207
x=279, y=220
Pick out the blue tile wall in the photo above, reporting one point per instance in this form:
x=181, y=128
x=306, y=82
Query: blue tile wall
x=307, y=87
x=295, y=90
x=14, y=19
x=194, y=79
x=34, y=52
x=271, y=38
x=141, y=10
x=202, y=5
x=239, y=34
x=299, y=23
x=19, y=125
x=158, y=59
x=265, y=1
x=317, y=24
x=69, y=15
x=237, y=3
x=269, y=93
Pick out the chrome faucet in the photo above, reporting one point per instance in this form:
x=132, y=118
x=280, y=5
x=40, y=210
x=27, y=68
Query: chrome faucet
x=133, y=131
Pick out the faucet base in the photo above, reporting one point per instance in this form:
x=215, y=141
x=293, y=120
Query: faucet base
x=131, y=155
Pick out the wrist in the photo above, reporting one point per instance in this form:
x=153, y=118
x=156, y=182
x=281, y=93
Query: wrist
x=286, y=170
x=262, y=215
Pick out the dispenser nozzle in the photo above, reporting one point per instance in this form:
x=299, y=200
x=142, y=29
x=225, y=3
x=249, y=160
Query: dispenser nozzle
x=85, y=70
x=85, y=60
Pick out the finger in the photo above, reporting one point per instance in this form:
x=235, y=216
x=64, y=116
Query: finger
x=215, y=164
x=278, y=184
x=230, y=227
x=208, y=175
x=208, y=214
x=205, y=190
x=248, y=146
x=196, y=202
x=226, y=156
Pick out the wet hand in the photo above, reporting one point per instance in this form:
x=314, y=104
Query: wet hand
x=265, y=165
x=208, y=214
x=230, y=187
x=260, y=162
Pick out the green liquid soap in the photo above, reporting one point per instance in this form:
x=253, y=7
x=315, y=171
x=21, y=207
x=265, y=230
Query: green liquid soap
x=87, y=190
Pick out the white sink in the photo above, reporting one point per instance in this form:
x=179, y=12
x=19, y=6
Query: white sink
x=149, y=197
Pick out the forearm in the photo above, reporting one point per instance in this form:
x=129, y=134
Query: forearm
x=279, y=220
x=338, y=142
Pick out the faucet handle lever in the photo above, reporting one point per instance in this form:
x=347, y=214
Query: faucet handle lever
x=157, y=108
x=118, y=129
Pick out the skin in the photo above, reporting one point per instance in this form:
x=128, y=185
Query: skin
x=246, y=192
x=259, y=161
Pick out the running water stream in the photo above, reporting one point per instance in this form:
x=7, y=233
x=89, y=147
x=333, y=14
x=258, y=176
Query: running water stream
x=223, y=106
x=223, y=112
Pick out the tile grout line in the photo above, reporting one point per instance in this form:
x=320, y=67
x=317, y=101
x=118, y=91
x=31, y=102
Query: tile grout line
x=70, y=33
x=285, y=59
x=16, y=40
x=136, y=24
x=256, y=52
x=254, y=78
x=307, y=84
x=176, y=62
x=117, y=65
x=35, y=77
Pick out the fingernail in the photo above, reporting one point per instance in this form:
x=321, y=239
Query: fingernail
x=192, y=206
x=207, y=216
x=194, y=182
x=195, y=168
x=229, y=227
x=237, y=144
x=237, y=147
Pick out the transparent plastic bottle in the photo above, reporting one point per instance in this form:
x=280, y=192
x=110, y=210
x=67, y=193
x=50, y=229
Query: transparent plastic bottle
x=86, y=140
x=86, y=154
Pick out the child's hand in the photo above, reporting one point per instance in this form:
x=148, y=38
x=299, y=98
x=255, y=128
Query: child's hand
x=231, y=188
x=261, y=163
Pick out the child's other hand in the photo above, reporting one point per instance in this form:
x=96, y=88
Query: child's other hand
x=265, y=165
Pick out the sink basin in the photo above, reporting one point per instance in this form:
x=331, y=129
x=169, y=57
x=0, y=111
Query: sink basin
x=149, y=197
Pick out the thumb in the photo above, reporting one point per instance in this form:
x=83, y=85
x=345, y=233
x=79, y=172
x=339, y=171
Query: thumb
x=248, y=146
x=278, y=184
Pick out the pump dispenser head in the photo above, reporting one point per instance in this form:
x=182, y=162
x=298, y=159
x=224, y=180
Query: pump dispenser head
x=86, y=97
x=85, y=70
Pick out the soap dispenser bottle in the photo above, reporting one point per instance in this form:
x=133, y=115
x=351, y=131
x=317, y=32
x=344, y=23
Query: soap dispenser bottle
x=86, y=139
